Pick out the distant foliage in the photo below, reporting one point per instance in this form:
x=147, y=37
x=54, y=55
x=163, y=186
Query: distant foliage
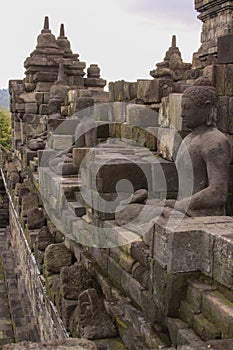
x=4, y=99
x=5, y=128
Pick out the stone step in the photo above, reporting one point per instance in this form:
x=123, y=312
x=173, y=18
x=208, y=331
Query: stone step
x=218, y=310
x=207, y=311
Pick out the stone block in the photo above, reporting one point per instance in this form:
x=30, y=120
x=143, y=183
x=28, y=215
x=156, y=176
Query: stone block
x=176, y=121
x=114, y=270
x=62, y=142
x=103, y=130
x=67, y=126
x=20, y=107
x=230, y=125
x=74, y=280
x=137, y=173
x=39, y=97
x=56, y=257
x=140, y=252
x=142, y=116
x=184, y=251
x=29, y=201
x=44, y=109
x=126, y=132
x=225, y=49
x=126, y=262
x=43, y=86
x=187, y=312
x=31, y=108
x=169, y=141
x=79, y=154
x=142, y=275
x=148, y=91
x=223, y=264
x=44, y=239
x=115, y=130
x=223, y=114
x=99, y=325
x=67, y=309
x=122, y=91
x=35, y=219
x=102, y=112
x=163, y=118
x=117, y=112
x=195, y=291
x=228, y=80
x=174, y=324
x=205, y=329
x=220, y=79
x=188, y=336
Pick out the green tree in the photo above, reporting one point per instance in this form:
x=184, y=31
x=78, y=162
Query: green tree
x=5, y=128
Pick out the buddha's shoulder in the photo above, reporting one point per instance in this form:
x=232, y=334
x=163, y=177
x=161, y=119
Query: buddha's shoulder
x=213, y=134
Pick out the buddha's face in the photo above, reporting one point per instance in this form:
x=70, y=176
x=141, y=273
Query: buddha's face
x=192, y=114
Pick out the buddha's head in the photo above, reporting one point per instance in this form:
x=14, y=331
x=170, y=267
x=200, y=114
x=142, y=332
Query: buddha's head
x=199, y=104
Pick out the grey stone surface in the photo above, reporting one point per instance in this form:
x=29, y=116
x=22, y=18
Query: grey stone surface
x=56, y=257
x=90, y=320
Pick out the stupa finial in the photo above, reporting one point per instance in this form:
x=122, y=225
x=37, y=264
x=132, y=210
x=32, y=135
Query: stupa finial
x=46, y=23
x=174, y=41
x=62, y=30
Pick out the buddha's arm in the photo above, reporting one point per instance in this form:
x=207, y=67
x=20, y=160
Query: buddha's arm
x=217, y=161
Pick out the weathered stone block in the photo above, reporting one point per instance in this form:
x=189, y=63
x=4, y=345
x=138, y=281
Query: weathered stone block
x=67, y=309
x=44, y=239
x=56, y=257
x=74, y=280
x=43, y=87
x=223, y=264
x=117, y=112
x=122, y=91
x=61, y=142
x=137, y=173
x=223, y=114
x=169, y=141
x=29, y=201
x=31, y=108
x=142, y=116
x=225, y=49
x=79, y=154
x=148, y=90
x=90, y=319
x=205, y=329
x=44, y=109
x=184, y=251
x=220, y=79
x=35, y=219
x=228, y=80
x=140, y=252
x=219, y=311
x=176, y=120
x=102, y=112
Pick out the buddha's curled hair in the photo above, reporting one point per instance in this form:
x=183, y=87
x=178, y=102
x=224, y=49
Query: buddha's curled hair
x=200, y=93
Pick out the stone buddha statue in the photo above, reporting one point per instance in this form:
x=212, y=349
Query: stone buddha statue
x=203, y=161
x=209, y=152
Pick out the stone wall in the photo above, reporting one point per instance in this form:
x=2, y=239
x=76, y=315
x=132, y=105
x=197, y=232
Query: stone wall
x=45, y=324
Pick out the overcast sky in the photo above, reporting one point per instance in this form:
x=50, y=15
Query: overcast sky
x=125, y=37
